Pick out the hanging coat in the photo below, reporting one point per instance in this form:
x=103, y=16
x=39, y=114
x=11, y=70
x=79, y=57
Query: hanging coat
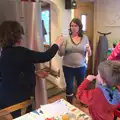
x=101, y=52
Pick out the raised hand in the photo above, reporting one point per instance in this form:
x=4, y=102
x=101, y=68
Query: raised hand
x=91, y=77
x=59, y=41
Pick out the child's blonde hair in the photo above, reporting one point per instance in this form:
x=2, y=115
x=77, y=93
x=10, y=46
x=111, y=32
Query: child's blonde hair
x=110, y=72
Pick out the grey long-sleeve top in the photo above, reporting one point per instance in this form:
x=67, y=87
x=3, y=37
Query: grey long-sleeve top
x=73, y=55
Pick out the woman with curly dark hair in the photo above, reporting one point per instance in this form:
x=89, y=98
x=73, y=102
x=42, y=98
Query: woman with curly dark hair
x=74, y=51
x=17, y=65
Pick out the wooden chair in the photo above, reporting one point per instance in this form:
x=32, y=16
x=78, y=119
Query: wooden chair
x=19, y=106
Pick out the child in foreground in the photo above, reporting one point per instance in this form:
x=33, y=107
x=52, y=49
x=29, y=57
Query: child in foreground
x=104, y=99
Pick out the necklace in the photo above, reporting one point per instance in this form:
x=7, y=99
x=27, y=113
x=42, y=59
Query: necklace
x=75, y=42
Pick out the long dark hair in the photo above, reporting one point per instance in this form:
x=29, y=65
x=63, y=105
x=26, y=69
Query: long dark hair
x=78, y=22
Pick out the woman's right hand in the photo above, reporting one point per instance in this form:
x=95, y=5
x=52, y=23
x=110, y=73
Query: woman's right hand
x=59, y=41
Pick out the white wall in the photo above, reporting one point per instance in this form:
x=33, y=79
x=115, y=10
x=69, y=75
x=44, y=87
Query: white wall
x=107, y=19
x=105, y=12
x=60, y=19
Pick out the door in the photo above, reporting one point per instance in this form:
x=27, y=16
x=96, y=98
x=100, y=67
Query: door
x=87, y=9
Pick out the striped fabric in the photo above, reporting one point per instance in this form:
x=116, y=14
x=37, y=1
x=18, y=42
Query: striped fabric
x=115, y=52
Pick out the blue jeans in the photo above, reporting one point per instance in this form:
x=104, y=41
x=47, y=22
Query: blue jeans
x=69, y=74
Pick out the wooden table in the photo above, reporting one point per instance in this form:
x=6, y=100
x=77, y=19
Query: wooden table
x=80, y=115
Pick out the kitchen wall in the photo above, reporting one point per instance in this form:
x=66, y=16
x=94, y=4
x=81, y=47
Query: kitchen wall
x=106, y=19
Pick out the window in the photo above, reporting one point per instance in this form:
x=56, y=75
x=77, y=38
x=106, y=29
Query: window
x=46, y=25
x=84, y=21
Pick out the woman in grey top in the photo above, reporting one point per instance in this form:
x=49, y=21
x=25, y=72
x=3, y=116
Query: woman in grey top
x=74, y=51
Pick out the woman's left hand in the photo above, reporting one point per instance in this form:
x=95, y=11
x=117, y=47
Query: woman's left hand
x=88, y=49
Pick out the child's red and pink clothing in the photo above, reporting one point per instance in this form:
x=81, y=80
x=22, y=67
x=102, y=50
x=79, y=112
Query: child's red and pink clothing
x=101, y=101
x=115, y=55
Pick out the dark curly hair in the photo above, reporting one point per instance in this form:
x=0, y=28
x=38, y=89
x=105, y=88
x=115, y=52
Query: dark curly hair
x=10, y=33
x=78, y=22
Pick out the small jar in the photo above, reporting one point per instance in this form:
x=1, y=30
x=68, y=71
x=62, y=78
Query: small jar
x=69, y=116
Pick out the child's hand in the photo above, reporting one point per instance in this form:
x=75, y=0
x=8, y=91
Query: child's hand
x=42, y=74
x=91, y=77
